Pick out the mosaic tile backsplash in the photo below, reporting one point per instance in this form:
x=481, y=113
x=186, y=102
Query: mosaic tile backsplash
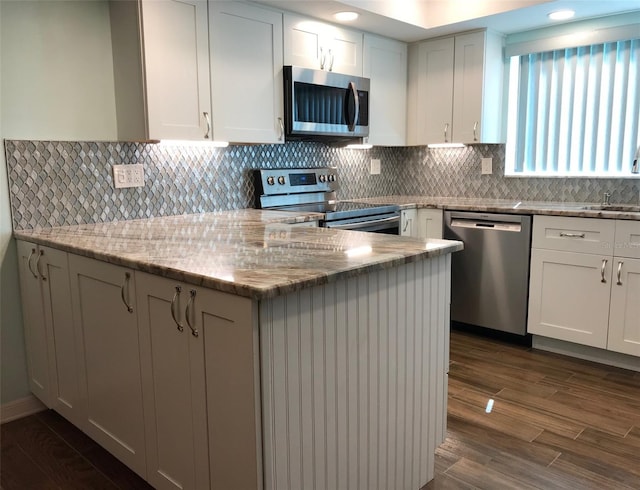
x=54, y=183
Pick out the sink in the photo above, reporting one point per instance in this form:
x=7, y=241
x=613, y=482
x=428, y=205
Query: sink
x=623, y=208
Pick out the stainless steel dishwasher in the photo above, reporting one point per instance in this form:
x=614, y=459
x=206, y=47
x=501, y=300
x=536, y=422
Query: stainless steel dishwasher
x=490, y=277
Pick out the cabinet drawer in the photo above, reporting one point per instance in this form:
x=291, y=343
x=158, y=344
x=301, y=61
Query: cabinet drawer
x=627, y=243
x=585, y=235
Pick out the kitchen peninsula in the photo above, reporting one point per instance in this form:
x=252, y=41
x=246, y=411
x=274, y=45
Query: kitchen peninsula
x=233, y=350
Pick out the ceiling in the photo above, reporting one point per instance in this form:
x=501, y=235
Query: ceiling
x=413, y=20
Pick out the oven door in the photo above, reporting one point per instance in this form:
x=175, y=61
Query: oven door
x=384, y=223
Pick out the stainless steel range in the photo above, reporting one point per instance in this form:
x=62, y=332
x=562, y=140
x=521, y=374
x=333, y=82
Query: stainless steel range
x=314, y=189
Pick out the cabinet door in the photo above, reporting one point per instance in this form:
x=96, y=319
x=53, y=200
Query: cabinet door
x=431, y=92
x=624, y=316
x=344, y=51
x=302, y=42
x=176, y=58
x=246, y=73
x=233, y=388
x=408, y=225
x=103, y=297
x=56, y=294
x=173, y=386
x=467, y=87
x=568, y=299
x=40, y=364
x=312, y=44
x=429, y=223
x=385, y=64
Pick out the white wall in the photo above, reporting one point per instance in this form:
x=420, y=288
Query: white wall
x=56, y=83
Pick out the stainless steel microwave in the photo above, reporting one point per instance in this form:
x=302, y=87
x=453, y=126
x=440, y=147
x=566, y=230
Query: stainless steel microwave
x=323, y=105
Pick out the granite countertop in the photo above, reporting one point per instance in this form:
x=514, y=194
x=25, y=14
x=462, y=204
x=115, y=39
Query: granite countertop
x=249, y=253
x=575, y=209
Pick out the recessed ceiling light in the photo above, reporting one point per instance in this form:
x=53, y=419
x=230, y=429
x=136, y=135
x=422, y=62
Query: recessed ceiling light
x=346, y=16
x=561, y=14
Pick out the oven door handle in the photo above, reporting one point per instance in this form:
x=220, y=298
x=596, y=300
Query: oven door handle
x=363, y=224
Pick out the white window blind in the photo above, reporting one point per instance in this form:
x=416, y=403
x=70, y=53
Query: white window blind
x=575, y=111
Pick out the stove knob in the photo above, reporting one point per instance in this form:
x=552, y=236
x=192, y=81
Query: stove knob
x=322, y=178
x=332, y=178
x=270, y=181
x=281, y=180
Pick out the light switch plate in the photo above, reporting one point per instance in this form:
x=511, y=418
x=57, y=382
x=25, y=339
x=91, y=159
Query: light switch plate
x=487, y=166
x=128, y=175
x=375, y=166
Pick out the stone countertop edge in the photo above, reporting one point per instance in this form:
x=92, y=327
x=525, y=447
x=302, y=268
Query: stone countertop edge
x=304, y=245
x=511, y=206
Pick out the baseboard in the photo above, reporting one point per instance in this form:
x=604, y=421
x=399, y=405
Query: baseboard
x=20, y=408
x=587, y=353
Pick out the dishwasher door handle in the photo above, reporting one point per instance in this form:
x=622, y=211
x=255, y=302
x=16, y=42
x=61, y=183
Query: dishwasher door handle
x=487, y=225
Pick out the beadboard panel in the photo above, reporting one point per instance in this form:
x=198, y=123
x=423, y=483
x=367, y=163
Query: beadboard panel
x=354, y=380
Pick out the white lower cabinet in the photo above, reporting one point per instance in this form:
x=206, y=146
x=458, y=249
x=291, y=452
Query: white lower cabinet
x=580, y=296
x=232, y=348
x=173, y=382
x=624, y=317
x=567, y=298
x=200, y=416
x=104, y=308
x=38, y=335
x=49, y=331
x=429, y=223
x=121, y=354
x=421, y=223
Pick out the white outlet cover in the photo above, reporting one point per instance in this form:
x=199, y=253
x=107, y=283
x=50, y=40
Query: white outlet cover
x=487, y=166
x=375, y=166
x=128, y=176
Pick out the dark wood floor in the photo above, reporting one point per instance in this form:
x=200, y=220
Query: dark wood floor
x=556, y=423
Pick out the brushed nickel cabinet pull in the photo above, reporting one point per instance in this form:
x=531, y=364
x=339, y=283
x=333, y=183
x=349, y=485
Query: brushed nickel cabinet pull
x=31, y=254
x=446, y=130
x=323, y=57
x=125, y=285
x=188, y=312
x=281, y=124
x=208, y=121
x=619, y=283
x=604, y=265
x=406, y=225
x=176, y=295
x=475, y=128
x=331, y=58
x=572, y=235
x=40, y=255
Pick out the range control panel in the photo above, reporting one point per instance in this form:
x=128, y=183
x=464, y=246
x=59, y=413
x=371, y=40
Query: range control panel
x=271, y=182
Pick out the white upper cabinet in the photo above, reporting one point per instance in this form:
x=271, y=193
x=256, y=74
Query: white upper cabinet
x=456, y=86
x=477, y=87
x=209, y=71
x=175, y=39
x=246, y=73
x=430, y=91
x=313, y=44
x=385, y=64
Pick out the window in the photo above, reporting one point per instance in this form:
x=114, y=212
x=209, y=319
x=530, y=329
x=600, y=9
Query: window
x=574, y=111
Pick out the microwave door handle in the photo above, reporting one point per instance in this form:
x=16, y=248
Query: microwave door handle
x=356, y=103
